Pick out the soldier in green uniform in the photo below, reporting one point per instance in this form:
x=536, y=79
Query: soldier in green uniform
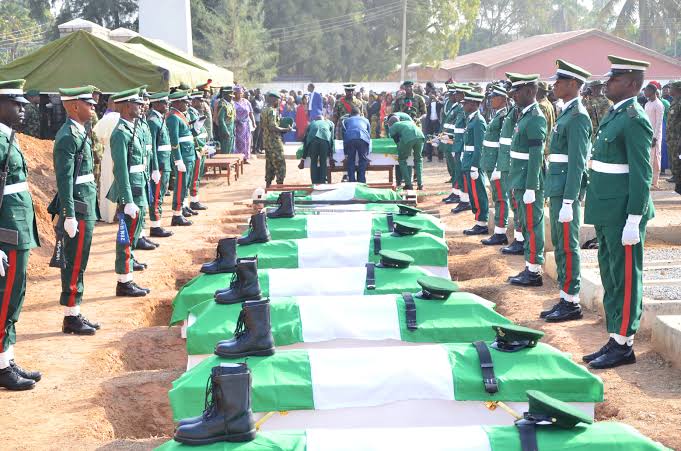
x=97, y=144
x=160, y=142
x=275, y=164
x=319, y=145
x=413, y=104
x=18, y=235
x=549, y=111
x=488, y=163
x=460, y=181
x=204, y=107
x=527, y=176
x=451, y=111
x=470, y=162
x=226, y=116
x=619, y=206
x=597, y=105
x=410, y=141
x=183, y=154
x=344, y=106
x=674, y=134
x=198, y=121
x=129, y=188
x=73, y=166
x=152, y=172
x=570, y=144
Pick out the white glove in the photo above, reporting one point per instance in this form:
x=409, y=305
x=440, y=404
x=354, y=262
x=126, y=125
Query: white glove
x=3, y=258
x=496, y=175
x=565, y=214
x=630, y=234
x=131, y=210
x=71, y=227
x=528, y=197
x=474, y=173
x=180, y=166
x=156, y=176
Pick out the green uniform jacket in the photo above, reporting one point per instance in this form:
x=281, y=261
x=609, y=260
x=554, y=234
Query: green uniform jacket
x=505, y=139
x=127, y=187
x=200, y=135
x=405, y=132
x=474, y=136
x=181, y=137
x=490, y=144
x=17, y=211
x=150, y=153
x=529, y=138
x=160, y=138
x=624, y=137
x=571, y=137
x=415, y=110
x=226, y=114
x=449, y=116
x=67, y=142
x=459, y=128
x=322, y=129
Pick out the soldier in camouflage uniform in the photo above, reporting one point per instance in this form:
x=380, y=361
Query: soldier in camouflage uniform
x=275, y=164
x=412, y=104
x=597, y=105
x=674, y=134
x=31, y=125
x=344, y=106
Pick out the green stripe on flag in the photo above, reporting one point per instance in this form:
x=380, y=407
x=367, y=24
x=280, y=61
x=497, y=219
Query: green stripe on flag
x=273, y=254
x=196, y=291
x=425, y=249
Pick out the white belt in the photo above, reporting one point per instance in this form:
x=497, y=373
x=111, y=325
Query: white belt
x=449, y=127
x=85, y=178
x=490, y=143
x=164, y=148
x=149, y=147
x=558, y=158
x=16, y=188
x=520, y=155
x=609, y=168
x=186, y=139
x=505, y=141
x=469, y=148
x=203, y=136
x=137, y=168
x=459, y=130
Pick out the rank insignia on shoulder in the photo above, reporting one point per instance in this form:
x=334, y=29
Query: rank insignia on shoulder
x=535, y=112
x=631, y=111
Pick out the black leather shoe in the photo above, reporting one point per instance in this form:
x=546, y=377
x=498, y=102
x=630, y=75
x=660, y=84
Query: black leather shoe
x=476, y=230
x=197, y=206
x=180, y=221
x=616, y=355
x=185, y=212
x=515, y=248
x=95, y=326
x=591, y=357
x=419, y=187
x=11, y=380
x=452, y=199
x=544, y=313
x=138, y=266
x=565, y=311
x=75, y=325
x=528, y=279
x=153, y=243
x=144, y=245
x=449, y=181
x=146, y=290
x=160, y=232
x=496, y=239
x=26, y=374
x=521, y=273
x=463, y=206
x=128, y=289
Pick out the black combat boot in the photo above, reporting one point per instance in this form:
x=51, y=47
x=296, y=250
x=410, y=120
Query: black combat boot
x=75, y=325
x=26, y=374
x=496, y=239
x=129, y=289
x=564, y=311
x=160, y=232
x=225, y=260
x=515, y=248
x=258, y=232
x=180, y=220
x=10, y=379
x=286, y=208
x=244, y=285
x=253, y=334
x=197, y=206
x=227, y=416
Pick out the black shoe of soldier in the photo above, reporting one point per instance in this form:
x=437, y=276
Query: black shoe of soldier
x=591, y=357
x=180, y=221
x=463, y=206
x=153, y=243
x=146, y=290
x=128, y=289
x=565, y=311
x=75, y=325
x=476, y=230
x=197, y=206
x=26, y=374
x=496, y=239
x=616, y=355
x=515, y=248
x=452, y=199
x=160, y=232
x=95, y=326
x=528, y=279
x=144, y=245
x=11, y=380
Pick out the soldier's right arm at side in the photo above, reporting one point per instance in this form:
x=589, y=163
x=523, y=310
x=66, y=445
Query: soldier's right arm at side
x=65, y=149
x=579, y=142
x=173, y=125
x=638, y=138
x=119, y=154
x=536, y=137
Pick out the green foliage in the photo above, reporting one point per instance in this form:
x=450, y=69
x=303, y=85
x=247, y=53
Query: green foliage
x=20, y=33
x=108, y=13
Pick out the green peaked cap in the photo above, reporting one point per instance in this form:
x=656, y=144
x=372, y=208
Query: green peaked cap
x=434, y=287
x=407, y=209
x=404, y=229
x=498, y=90
x=349, y=86
x=518, y=80
x=511, y=337
x=460, y=87
x=129, y=95
x=13, y=89
x=159, y=96
x=620, y=65
x=178, y=95
x=562, y=414
x=274, y=94
x=473, y=96
x=83, y=93
x=571, y=71
x=394, y=259
x=197, y=93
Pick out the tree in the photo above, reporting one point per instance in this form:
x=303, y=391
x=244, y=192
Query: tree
x=108, y=13
x=19, y=32
x=650, y=16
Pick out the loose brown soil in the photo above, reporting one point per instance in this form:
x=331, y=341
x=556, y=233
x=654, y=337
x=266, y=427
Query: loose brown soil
x=109, y=392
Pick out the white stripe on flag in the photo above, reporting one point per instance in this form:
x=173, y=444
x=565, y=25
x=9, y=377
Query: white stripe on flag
x=363, y=377
x=321, y=226
x=345, y=191
x=328, y=318
x=333, y=252
x=317, y=281
x=467, y=438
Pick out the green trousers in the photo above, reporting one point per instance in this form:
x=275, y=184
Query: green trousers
x=227, y=142
x=124, y=253
x=478, y=196
x=158, y=193
x=413, y=148
x=12, y=293
x=500, y=198
x=515, y=206
x=621, y=269
x=77, y=254
x=532, y=217
x=457, y=180
x=181, y=184
x=318, y=150
x=197, y=173
x=275, y=164
x=449, y=158
x=674, y=150
x=565, y=239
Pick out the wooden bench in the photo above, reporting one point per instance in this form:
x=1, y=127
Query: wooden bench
x=229, y=163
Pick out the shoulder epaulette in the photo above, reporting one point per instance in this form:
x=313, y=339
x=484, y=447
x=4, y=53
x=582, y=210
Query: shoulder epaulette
x=535, y=111
x=75, y=131
x=631, y=111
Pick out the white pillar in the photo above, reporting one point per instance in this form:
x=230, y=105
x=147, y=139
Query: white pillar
x=167, y=20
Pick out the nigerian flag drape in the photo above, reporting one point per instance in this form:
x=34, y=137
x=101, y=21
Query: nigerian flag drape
x=346, y=192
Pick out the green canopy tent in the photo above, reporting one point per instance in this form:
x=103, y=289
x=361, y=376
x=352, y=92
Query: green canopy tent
x=81, y=58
